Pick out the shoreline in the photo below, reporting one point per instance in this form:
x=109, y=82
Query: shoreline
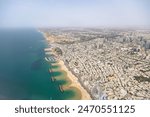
x=74, y=82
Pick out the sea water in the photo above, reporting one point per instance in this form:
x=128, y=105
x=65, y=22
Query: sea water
x=23, y=70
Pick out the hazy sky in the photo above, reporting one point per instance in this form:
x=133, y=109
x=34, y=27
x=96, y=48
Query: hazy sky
x=77, y=13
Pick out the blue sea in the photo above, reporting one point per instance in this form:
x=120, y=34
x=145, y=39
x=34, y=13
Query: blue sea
x=24, y=72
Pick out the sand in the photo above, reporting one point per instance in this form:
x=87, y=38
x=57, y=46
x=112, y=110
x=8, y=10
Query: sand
x=74, y=82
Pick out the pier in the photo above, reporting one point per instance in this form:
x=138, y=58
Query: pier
x=50, y=71
x=53, y=79
x=61, y=88
x=50, y=59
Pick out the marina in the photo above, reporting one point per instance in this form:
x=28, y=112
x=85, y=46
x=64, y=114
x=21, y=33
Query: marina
x=50, y=59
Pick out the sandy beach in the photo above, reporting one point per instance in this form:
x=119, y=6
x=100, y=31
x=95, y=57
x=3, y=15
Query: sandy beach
x=74, y=82
x=72, y=78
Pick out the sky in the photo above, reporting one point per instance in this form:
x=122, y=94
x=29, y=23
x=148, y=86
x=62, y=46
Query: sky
x=74, y=13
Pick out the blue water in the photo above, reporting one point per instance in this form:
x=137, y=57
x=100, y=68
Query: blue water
x=23, y=71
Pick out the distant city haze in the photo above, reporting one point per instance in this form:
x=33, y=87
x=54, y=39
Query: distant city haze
x=74, y=13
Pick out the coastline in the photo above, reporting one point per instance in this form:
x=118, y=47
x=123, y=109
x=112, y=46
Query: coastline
x=74, y=82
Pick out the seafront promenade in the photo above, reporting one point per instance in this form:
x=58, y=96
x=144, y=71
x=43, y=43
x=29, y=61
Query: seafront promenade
x=109, y=63
x=64, y=74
